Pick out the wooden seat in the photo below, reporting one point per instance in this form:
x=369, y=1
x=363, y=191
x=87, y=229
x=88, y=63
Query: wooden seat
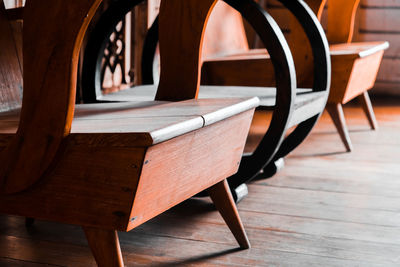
x=111, y=167
x=291, y=106
x=354, y=65
x=304, y=105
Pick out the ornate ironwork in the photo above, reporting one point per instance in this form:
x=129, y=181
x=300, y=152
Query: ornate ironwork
x=114, y=57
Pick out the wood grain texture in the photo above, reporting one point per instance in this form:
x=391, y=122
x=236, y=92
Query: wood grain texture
x=141, y=123
x=105, y=247
x=181, y=33
x=140, y=26
x=358, y=49
x=88, y=182
x=239, y=70
x=10, y=69
x=46, y=112
x=346, y=217
x=71, y=172
x=341, y=20
x=335, y=110
x=363, y=76
x=223, y=201
x=190, y=167
x=365, y=102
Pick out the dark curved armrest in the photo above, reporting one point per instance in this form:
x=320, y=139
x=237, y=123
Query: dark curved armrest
x=319, y=43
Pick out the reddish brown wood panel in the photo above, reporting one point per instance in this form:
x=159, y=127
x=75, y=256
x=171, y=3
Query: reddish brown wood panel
x=50, y=70
x=181, y=31
x=165, y=184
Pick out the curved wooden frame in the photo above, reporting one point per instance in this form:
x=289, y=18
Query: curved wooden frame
x=341, y=20
x=322, y=67
x=48, y=101
x=273, y=39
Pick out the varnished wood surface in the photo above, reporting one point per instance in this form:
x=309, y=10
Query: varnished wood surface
x=341, y=20
x=191, y=167
x=104, y=242
x=357, y=50
x=126, y=185
x=146, y=123
x=325, y=207
x=266, y=95
x=222, y=198
x=307, y=103
x=366, y=104
x=181, y=33
x=47, y=114
x=335, y=110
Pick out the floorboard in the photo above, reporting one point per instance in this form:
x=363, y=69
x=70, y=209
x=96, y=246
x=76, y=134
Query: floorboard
x=325, y=208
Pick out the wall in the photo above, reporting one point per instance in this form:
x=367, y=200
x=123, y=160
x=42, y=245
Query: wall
x=380, y=20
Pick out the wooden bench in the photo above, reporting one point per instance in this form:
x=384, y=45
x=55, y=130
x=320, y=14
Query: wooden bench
x=354, y=65
x=291, y=106
x=111, y=167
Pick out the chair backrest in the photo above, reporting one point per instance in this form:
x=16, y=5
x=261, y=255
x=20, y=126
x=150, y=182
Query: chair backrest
x=341, y=20
x=50, y=71
x=10, y=68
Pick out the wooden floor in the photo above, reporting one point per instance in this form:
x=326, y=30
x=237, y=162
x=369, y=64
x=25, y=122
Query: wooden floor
x=325, y=208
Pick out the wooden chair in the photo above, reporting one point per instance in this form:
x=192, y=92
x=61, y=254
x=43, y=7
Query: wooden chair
x=354, y=65
x=111, y=167
x=292, y=107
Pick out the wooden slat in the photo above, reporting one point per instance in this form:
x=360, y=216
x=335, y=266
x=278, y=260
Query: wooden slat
x=383, y=20
x=380, y=3
x=357, y=50
x=146, y=93
x=163, y=186
x=389, y=71
x=377, y=20
x=142, y=123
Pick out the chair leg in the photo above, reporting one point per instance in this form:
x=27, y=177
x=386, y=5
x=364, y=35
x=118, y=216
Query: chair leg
x=105, y=247
x=336, y=112
x=223, y=200
x=365, y=102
